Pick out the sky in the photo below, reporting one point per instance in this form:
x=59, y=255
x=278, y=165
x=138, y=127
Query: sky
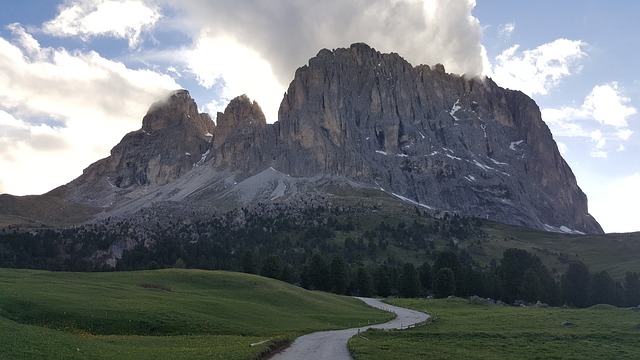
x=76, y=75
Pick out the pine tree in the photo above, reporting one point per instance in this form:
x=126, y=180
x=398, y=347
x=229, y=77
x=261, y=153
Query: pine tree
x=272, y=267
x=381, y=281
x=530, y=288
x=632, y=289
x=409, y=285
x=575, y=285
x=338, y=275
x=426, y=276
x=363, y=282
x=248, y=262
x=317, y=273
x=444, y=283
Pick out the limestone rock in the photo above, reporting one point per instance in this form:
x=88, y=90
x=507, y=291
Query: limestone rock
x=351, y=117
x=173, y=138
x=451, y=143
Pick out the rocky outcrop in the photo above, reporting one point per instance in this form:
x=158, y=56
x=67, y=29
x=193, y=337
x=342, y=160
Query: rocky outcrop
x=242, y=140
x=358, y=117
x=448, y=142
x=173, y=139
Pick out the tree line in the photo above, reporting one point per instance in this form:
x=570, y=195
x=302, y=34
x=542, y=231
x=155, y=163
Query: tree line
x=323, y=249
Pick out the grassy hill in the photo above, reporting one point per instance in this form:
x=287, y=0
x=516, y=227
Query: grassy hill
x=177, y=314
x=37, y=210
x=614, y=253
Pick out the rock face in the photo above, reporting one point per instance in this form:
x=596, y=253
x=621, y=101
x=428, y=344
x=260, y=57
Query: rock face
x=442, y=140
x=371, y=120
x=173, y=139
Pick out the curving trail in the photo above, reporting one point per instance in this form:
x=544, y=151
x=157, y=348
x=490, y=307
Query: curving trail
x=332, y=345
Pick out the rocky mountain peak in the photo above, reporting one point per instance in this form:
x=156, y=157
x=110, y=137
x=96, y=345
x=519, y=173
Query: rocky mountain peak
x=241, y=137
x=353, y=118
x=441, y=140
x=173, y=138
x=240, y=117
x=178, y=109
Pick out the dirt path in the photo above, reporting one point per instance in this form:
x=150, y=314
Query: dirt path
x=332, y=345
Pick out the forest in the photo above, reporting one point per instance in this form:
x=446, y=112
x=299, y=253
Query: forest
x=340, y=250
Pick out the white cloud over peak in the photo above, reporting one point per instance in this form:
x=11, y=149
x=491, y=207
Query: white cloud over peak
x=124, y=19
x=222, y=61
x=65, y=109
x=536, y=71
x=235, y=41
x=286, y=33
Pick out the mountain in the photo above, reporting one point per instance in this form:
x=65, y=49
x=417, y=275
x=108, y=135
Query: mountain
x=352, y=121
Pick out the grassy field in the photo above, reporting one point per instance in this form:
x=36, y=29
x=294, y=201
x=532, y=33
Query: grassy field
x=177, y=314
x=460, y=330
x=614, y=253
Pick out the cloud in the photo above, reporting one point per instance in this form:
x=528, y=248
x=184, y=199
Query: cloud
x=613, y=201
x=284, y=34
x=624, y=134
x=597, y=137
x=563, y=148
x=538, y=70
x=607, y=105
x=506, y=30
x=63, y=110
x=598, y=154
x=241, y=70
x=606, y=109
x=123, y=19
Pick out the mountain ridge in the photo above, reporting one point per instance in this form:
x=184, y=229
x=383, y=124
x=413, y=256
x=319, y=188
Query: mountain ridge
x=353, y=118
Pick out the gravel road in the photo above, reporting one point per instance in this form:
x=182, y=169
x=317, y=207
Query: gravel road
x=332, y=345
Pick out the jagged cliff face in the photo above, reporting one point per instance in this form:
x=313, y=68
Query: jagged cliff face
x=173, y=139
x=357, y=117
x=439, y=139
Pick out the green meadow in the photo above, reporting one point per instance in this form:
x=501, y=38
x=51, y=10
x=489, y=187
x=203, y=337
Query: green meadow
x=172, y=313
x=461, y=330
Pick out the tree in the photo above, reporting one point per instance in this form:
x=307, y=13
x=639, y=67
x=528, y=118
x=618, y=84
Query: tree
x=530, y=288
x=179, y=264
x=449, y=259
x=272, y=267
x=444, y=283
x=426, y=276
x=575, y=285
x=409, y=285
x=363, y=282
x=288, y=274
x=632, y=289
x=317, y=274
x=338, y=275
x=513, y=266
x=603, y=289
x=381, y=281
x=249, y=262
